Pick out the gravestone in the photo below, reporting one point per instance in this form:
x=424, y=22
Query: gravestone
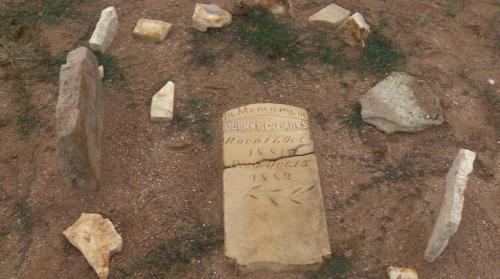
x=79, y=116
x=273, y=206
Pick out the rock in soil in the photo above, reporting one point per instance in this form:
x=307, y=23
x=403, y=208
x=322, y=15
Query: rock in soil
x=162, y=104
x=97, y=239
x=277, y=7
x=210, y=16
x=153, y=30
x=105, y=30
x=331, y=16
x=401, y=104
x=401, y=273
x=79, y=116
x=354, y=30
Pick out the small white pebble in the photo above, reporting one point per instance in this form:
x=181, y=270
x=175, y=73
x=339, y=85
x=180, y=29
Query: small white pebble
x=491, y=81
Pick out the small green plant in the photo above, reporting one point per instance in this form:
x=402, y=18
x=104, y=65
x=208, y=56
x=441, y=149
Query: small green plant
x=379, y=56
x=354, y=120
x=449, y=11
x=262, y=76
x=337, y=267
x=193, y=117
x=112, y=69
x=178, y=252
x=266, y=35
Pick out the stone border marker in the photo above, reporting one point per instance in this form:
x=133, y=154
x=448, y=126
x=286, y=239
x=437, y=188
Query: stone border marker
x=79, y=116
x=105, y=30
x=450, y=213
x=274, y=217
x=153, y=30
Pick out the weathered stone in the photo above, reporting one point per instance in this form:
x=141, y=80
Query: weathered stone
x=401, y=273
x=105, y=30
x=97, y=239
x=101, y=71
x=450, y=213
x=273, y=207
x=79, y=116
x=331, y=16
x=210, y=16
x=162, y=104
x=354, y=30
x=400, y=103
x=277, y=7
x=153, y=30
x=265, y=132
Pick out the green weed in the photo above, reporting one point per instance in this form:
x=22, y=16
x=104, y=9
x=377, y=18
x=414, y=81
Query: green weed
x=193, y=117
x=379, y=56
x=449, y=11
x=354, y=120
x=337, y=267
x=112, y=69
x=266, y=35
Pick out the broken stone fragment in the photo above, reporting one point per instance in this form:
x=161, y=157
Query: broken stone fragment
x=401, y=273
x=450, y=213
x=153, y=30
x=330, y=16
x=162, y=104
x=277, y=7
x=105, y=30
x=400, y=103
x=97, y=239
x=354, y=30
x=210, y=16
x=101, y=71
x=79, y=116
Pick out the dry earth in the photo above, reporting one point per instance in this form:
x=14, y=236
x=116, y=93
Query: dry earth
x=162, y=183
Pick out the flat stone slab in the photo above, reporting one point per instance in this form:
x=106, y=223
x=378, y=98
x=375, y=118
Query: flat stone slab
x=274, y=217
x=265, y=132
x=105, y=30
x=79, y=116
x=153, y=30
x=450, y=213
x=97, y=239
x=401, y=103
x=210, y=16
x=330, y=16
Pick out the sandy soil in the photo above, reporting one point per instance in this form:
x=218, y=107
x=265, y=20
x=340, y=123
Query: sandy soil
x=162, y=184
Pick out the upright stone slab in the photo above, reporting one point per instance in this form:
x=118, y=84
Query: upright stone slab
x=273, y=206
x=105, y=30
x=79, y=120
x=450, y=213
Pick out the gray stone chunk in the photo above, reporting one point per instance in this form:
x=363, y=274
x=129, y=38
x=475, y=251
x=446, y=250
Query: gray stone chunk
x=400, y=103
x=450, y=213
x=105, y=30
x=79, y=116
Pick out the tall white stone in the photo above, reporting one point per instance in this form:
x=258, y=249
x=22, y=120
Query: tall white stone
x=105, y=30
x=450, y=213
x=330, y=16
x=162, y=104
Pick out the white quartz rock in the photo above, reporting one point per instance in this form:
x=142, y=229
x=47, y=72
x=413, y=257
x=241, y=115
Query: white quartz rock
x=154, y=30
x=105, y=30
x=162, y=104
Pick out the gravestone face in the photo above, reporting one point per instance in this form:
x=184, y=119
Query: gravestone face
x=79, y=120
x=273, y=206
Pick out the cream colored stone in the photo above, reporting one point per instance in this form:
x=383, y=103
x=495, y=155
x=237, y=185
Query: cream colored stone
x=273, y=207
x=105, y=30
x=154, y=30
x=210, y=16
x=330, y=16
x=450, y=213
x=354, y=30
x=97, y=239
x=101, y=71
x=401, y=273
x=277, y=7
x=273, y=215
x=265, y=132
x=162, y=104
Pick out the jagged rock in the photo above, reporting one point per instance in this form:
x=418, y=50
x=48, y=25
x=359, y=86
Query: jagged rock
x=450, y=213
x=97, y=239
x=330, y=16
x=401, y=273
x=210, y=16
x=153, y=30
x=101, y=71
x=105, y=30
x=354, y=30
x=79, y=114
x=277, y=7
x=400, y=103
x=162, y=104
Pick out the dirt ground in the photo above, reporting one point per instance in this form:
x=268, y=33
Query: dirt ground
x=162, y=185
